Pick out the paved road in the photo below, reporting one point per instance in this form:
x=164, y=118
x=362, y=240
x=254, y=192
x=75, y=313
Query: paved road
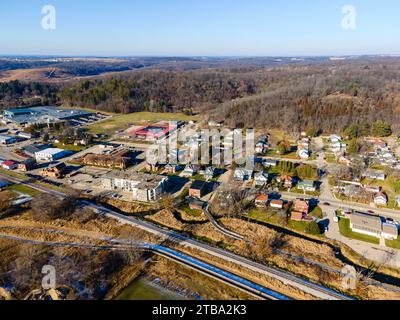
x=200, y=266
x=289, y=279
x=219, y=227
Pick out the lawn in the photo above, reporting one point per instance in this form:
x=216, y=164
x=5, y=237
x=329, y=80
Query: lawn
x=18, y=188
x=69, y=147
x=344, y=227
x=13, y=174
x=317, y=213
x=301, y=191
x=192, y=212
x=270, y=216
x=395, y=244
x=124, y=121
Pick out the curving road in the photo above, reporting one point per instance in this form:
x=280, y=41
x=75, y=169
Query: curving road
x=200, y=266
x=220, y=228
x=313, y=289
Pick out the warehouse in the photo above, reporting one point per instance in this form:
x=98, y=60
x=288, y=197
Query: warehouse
x=6, y=139
x=50, y=154
x=43, y=115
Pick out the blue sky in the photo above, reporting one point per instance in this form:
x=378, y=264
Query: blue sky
x=200, y=27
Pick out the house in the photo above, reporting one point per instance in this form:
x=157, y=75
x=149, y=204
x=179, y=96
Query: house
x=390, y=231
x=261, y=201
x=261, y=147
x=372, y=189
x=335, y=138
x=172, y=168
x=27, y=164
x=50, y=154
x=209, y=173
x=142, y=186
x=376, y=142
x=198, y=189
x=213, y=123
x=277, y=204
x=286, y=180
x=261, y=178
x=296, y=216
x=375, y=174
x=54, y=171
x=304, y=154
x=338, y=146
x=301, y=206
x=7, y=139
x=9, y=165
x=366, y=224
x=150, y=167
x=242, y=174
x=270, y=163
x=190, y=170
x=381, y=199
x=307, y=185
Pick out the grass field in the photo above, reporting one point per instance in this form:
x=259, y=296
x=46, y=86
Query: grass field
x=345, y=230
x=124, y=121
x=395, y=244
x=317, y=213
x=272, y=218
x=69, y=147
x=18, y=188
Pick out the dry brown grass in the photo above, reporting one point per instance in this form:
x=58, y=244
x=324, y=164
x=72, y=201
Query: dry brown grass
x=206, y=230
x=171, y=273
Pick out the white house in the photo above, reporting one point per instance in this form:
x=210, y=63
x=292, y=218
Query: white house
x=380, y=199
x=390, y=231
x=335, y=138
x=209, y=173
x=304, y=154
x=242, y=174
x=190, y=170
x=261, y=178
x=270, y=163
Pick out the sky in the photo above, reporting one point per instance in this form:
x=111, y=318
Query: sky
x=199, y=28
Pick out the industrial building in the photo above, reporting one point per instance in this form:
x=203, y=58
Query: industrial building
x=50, y=154
x=43, y=115
x=7, y=139
x=144, y=187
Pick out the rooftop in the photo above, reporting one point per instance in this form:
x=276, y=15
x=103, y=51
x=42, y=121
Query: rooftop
x=365, y=220
x=197, y=185
x=52, y=151
x=43, y=114
x=144, y=180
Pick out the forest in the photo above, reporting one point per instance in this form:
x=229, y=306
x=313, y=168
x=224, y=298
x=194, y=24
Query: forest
x=324, y=95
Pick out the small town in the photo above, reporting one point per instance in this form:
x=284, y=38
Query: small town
x=200, y=158
x=311, y=184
